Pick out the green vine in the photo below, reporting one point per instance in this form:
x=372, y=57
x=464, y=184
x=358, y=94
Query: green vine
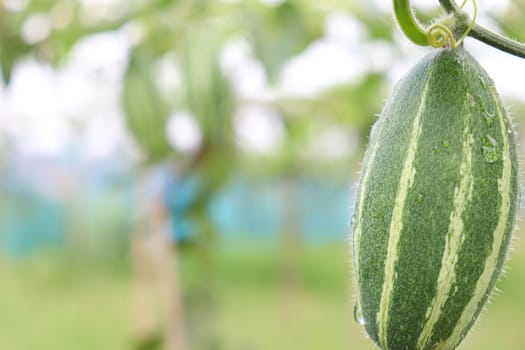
x=409, y=23
x=458, y=25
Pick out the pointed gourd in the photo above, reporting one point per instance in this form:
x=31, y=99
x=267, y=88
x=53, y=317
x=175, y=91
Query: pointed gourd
x=436, y=205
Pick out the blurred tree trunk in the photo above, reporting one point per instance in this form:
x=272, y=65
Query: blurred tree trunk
x=291, y=240
x=171, y=305
x=145, y=323
x=291, y=277
x=157, y=308
x=210, y=167
x=202, y=285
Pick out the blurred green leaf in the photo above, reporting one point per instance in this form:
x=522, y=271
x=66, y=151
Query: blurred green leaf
x=280, y=32
x=511, y=23
x=12, y=48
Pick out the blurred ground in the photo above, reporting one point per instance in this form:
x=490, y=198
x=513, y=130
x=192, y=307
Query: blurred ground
x=47, y=304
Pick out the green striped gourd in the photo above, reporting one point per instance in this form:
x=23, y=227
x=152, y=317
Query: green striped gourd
x=436, y=205
x=145, y=109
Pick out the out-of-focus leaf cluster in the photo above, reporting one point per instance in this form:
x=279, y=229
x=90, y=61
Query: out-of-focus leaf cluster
x=193, y=33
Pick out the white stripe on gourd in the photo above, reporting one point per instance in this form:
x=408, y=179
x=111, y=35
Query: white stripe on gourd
x=454, y=239
x=504, y=187
x=396, y=224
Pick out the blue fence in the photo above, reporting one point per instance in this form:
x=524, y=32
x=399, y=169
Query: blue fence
x=97, y=211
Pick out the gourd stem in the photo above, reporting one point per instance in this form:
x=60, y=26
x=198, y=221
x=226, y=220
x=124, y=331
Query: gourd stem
x=409, y=24
x=499, y=42
x=486, y=36
x=449, y=6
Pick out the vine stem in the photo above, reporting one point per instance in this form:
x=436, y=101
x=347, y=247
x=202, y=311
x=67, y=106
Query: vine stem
x=418, y=34
x=499, y=42
x=486, y=36
x=409, y=24
x=449, y=6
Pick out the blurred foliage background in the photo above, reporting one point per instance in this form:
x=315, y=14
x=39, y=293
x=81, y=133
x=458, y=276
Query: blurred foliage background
x=178, y=174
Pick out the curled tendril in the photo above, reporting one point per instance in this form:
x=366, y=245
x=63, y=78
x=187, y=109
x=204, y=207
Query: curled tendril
x=439, y=35
x=459, y=24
